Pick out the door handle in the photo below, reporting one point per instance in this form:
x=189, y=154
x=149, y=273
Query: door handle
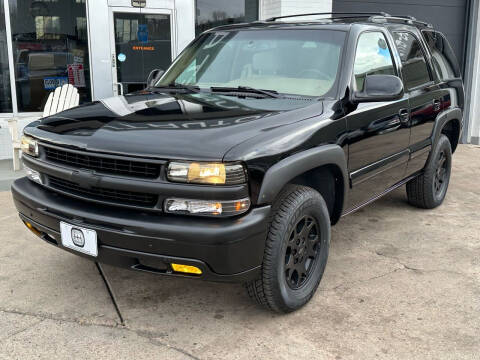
x=404, y=115
x=437, y=105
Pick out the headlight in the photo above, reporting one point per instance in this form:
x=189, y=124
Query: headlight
x=29, y=146
x=206, y=173
x=207, y=207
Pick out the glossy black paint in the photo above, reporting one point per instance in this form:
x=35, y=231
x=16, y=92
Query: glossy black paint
x=381, y=145
x=228, y=246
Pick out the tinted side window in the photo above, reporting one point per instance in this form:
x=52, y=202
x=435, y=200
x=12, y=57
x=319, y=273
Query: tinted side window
x=373, y=57
x=443, y=57
x=415, y=69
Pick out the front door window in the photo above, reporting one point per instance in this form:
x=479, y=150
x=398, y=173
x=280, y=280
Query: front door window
x=142, y=43
x=373, y=57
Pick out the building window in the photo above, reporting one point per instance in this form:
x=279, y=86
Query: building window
x=211, y=13
x=50, y=48
x=5, y=94
x=47, y=27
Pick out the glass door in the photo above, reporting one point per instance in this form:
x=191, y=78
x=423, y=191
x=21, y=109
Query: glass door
x=141, y=41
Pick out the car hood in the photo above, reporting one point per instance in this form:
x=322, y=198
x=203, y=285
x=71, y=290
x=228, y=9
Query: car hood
x=201, y=126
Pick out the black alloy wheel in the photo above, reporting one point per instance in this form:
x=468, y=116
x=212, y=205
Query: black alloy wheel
x=441, y=174
x=296, y=250
x=302, y=252
x=429, y=188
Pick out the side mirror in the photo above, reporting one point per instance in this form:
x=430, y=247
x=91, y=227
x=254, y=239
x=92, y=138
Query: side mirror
x=380, y=88
x=154, y=76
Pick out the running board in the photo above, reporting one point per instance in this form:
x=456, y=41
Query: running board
x=376, y=197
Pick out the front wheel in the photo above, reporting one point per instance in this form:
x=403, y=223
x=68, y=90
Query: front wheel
x=428, y=190
x=296, y=250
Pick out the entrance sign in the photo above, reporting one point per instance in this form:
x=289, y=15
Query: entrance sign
x=143, y=48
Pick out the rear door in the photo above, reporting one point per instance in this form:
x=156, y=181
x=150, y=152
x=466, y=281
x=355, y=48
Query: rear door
x=378, y=131
x=426, y=98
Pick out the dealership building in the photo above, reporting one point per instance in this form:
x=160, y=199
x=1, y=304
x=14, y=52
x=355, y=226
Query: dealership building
x=108, y=47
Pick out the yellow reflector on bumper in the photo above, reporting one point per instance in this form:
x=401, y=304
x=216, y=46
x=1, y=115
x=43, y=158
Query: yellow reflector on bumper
x=32, y=229
x=186, y=269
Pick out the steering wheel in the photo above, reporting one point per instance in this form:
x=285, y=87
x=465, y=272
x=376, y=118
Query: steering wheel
x=323, y=75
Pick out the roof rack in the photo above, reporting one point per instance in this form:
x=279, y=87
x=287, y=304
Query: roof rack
x=372, y=16
x=407, y=19
x=353, y=14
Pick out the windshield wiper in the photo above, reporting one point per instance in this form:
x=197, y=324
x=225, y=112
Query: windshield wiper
x=247, y=89
x=176, y=86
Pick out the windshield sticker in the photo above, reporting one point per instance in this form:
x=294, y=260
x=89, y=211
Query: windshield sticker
x=122, y=57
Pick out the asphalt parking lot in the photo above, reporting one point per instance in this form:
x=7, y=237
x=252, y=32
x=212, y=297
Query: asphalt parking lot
x=401, y=283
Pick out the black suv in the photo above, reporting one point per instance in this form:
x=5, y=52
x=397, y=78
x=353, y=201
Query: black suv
x=234, y=163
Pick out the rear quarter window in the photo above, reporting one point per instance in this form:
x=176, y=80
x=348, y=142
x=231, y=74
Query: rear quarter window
x=443, y=58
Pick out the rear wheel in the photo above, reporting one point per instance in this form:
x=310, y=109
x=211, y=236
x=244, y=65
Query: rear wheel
x=296, y=250
x=428, y=190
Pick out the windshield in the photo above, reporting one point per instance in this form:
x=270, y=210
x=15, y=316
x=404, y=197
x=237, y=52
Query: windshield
x=303, y=62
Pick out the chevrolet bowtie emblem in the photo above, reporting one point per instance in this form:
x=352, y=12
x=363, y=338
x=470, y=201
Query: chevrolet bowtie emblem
x=85, y=178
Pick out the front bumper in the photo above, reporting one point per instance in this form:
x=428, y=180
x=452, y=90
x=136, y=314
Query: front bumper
x=229, y=249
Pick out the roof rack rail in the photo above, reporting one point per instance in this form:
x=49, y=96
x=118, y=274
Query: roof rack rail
x=360, y=14
x=400, y=18
x=410, y=17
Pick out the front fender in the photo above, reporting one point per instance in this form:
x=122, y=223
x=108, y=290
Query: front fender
x=289, y=168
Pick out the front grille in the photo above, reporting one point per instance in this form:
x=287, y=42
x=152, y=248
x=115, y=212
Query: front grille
x=107, y=165
x=108, y=195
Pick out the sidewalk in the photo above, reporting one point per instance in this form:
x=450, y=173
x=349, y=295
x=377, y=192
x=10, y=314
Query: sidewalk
x=7, y=175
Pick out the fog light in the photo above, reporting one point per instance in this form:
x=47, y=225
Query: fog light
x=33, y=175
x=207, y=207
x=186, y=269
x=32, y=228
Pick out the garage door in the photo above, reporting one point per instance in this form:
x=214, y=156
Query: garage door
x=448, y=16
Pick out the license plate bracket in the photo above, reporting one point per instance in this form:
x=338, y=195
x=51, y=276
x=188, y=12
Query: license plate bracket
x=79, y=239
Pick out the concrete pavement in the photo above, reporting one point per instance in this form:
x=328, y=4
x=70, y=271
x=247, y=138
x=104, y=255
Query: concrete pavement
x=7, y=175
x=401, y=283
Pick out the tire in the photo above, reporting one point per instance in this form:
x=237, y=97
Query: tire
x=428, y=190
x=299, y=235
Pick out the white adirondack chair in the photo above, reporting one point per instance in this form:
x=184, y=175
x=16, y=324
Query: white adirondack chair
x=12, y=126
x=62, y=98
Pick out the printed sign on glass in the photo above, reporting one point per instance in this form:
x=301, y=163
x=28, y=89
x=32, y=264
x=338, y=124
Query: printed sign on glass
x=76, y=75
x=51, y=83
